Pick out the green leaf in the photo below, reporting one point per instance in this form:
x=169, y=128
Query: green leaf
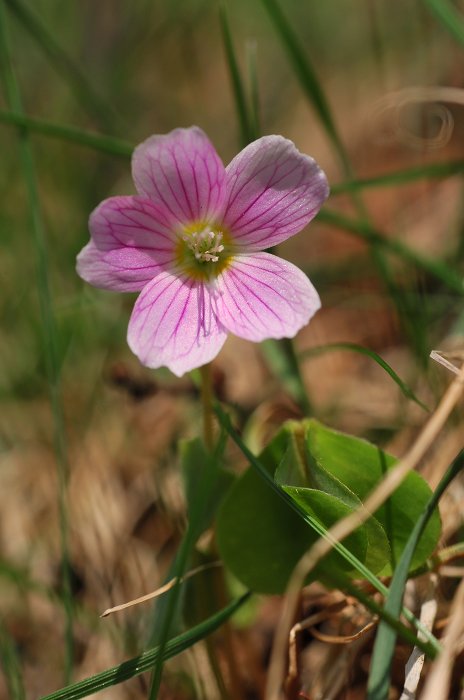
x=271, y=456
x=306, y=481
x=327, y=475
x=386, y=636
x=144, y=662
x=328, y=510
x=406, y=390
x=361, y=466
x=261, y=539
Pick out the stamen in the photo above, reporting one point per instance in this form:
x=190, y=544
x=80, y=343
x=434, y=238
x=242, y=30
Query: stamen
x=205, y=244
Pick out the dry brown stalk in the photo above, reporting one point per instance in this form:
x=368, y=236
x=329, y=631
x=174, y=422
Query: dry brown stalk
x=415, y=662
x=437, y=685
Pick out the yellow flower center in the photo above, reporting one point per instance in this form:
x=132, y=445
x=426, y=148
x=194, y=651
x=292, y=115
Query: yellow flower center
x=202, y=250
x=205, y=245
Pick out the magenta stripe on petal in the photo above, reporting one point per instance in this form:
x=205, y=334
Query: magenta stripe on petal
x=273, y=191
x=182, y=174
x=261, y=296
x=134, y=222
x=130, y=244
x=173, y=324
x=127, y=272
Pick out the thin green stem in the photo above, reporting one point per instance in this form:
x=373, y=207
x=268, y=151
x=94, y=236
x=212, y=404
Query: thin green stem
x=86, y=94
x=368, y=233
x=401, y=177
x=449, y=16
x=246, y=133
x=98, y=142
x=9, y=661
x=123, y=149
x=255, y=122
x=207, y=405
x=307, y=76
x=13, y=97
x=294, y=365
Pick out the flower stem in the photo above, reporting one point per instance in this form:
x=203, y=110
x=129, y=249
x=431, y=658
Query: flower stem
x=207, y=405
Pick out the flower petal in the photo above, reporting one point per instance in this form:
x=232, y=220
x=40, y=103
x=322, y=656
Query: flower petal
x=173, y=324
x=273, y=192
x=130, y=244
x=262, y=296
x=181, y=172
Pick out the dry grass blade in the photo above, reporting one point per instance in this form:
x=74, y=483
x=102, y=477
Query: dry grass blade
x=346, y=639
x=416, y=660
x=159, y=591
x=143, y=599
x=438, y=681
x=347, y=525
x=439, y=356
x=308, y=623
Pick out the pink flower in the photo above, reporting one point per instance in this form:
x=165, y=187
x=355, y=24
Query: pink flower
x=191, y=243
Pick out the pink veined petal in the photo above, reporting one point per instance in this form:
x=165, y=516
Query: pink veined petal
x=173, y=324
x=273, y=192
x=104, y=269
x=261, y=296
x=130, y=244
x=182, y=173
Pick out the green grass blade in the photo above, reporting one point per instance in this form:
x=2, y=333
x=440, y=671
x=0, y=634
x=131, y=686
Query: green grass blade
x=314, y=91
x=281, y=354
x=63, y=64
x=306, y=75
x=241, y=106
x=401, y=177
x=49, y=339
x=431, y=646
x=98, y=142
x=405, y=389
x=144, y=662
x=449, y=17
x=11, y=666
x=368, y=233
x=255, y=120
x=379, y=678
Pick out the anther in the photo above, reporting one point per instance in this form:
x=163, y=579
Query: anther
x=205, y=245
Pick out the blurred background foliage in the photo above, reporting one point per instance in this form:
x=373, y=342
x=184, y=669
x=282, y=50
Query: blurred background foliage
x=132, y=69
